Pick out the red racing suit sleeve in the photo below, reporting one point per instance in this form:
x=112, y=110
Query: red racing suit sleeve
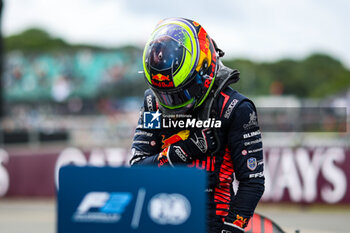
x=245, y=147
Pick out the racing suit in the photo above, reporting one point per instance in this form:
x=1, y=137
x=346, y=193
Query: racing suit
x=240, y=155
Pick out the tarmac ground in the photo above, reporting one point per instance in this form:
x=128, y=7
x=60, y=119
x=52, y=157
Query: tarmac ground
x=39, y=216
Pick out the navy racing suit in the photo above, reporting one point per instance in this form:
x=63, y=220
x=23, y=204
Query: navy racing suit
x=240, y=155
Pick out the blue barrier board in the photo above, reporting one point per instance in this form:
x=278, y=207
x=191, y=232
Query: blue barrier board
x=125, y=200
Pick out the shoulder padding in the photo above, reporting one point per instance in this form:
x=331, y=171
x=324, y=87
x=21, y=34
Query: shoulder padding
x=228, y=102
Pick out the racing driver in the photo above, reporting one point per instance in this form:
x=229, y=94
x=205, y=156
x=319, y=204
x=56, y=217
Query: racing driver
x=183, y=70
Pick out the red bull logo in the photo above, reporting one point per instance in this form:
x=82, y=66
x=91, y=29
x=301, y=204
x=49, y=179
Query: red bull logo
x=203, y=40
x=161, y=78
x=182, y=135
x=162, y=158
x=204, y=164
x=204, y=48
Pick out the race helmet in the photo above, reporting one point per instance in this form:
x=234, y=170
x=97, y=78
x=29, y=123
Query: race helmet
x=180, y=64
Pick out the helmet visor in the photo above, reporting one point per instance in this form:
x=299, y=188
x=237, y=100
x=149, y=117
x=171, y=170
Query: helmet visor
x=169, y=56
x=175, y=99
x=180, y=97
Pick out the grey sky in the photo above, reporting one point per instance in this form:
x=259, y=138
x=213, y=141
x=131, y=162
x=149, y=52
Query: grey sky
x=256, y=29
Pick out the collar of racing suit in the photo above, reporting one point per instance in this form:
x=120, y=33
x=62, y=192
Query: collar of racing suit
x=225, y=76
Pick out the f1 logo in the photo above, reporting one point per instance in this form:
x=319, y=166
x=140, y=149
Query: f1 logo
x=151, y=120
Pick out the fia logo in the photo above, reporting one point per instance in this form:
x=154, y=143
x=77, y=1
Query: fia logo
x=169, y=209
x=151, y=120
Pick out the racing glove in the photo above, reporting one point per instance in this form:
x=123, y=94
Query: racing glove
x=199, y=144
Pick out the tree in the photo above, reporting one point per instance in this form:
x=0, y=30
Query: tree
x=33, y=40
x=316, y=76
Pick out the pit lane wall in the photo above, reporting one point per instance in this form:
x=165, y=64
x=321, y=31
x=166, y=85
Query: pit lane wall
x=299, y=175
